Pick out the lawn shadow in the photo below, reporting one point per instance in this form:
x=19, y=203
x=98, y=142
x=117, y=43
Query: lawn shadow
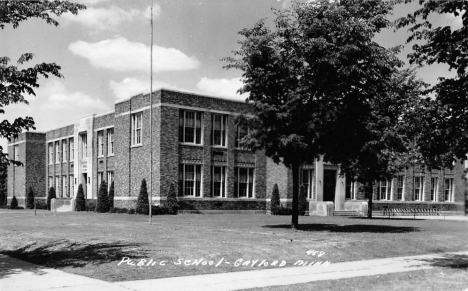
x=64, y=253
x=450, y=261
x=350, y=228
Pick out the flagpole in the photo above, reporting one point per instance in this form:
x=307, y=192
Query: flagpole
x=151, y=120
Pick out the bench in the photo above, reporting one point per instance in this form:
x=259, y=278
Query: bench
x=410, y=211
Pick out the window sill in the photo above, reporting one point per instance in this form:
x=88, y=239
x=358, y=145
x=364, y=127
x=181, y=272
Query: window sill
x=110, y=155
x=190, y=144
x=64, y=162
x=100, y=157
x=219, y=147
x=136, y=145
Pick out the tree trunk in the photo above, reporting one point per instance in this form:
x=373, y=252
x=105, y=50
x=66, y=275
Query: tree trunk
x=295, y=198
x=370, y=194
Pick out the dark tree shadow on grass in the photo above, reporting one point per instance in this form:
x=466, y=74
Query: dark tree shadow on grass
x=450, y=261
x=63, y=253
x=349, y=228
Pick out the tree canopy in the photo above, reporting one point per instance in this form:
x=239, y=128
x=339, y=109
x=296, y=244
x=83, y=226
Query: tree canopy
x=17, y=82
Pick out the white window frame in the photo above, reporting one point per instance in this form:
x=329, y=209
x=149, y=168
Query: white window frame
x=420, y=194
x=100, y=178
x=57, y=152
x=238, y=136
x=110, y=142
x=136, y=129
x=71, y=144
x=223, y=120
x=249, y=191
x=16, y=152
x=449, y=192
x=84, y=145
x=197, y=180
x=310, y=185
x=64, y=186
x=352, y=188
x=64, y=150
x=387, y=185
x=72, y=185
x=100, y=141
x=402, y=187
x=434, y=189
x=51, y=153
x=58, y=186
x=110, y=178
x=197, y=127
x=223, y=184
x=51, y=183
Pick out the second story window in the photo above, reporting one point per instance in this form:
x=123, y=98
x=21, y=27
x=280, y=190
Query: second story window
x=219, y=130
x=64, y=150
x=241, y=132
x=72, y=149
x=190, y=127
x=399, y=187
x=51, y=153
x=448, y=190
x=100, y=139
x=16, y=152
x=136, y=128
x=84, y=145
x=110, y=142
x=57, y=152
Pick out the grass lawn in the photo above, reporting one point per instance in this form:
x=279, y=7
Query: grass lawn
x=93, y=244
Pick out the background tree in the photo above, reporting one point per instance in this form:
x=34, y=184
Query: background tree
x=172, y=201
x=102, y=204
x=319, y=61
x=80, y=202
x=30, y=199
x=444, y=136
x=111, y=195
x=16, y=82
x=50, y=196
x=142, y=206
x=275, y=203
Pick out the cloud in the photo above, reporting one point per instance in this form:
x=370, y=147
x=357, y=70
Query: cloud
x=131, y=86
x=103, y=18
x=59, y=99
x=119, y=54
x=222, y=87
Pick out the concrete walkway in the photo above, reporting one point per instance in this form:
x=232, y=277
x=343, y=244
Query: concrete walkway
x=21, y=276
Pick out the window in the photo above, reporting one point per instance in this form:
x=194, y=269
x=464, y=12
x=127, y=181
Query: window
x=64, y=151
x=219, y=181
x=100, y=178
x=350, y=191
x=64, y=187
x=190, y=127
x=399, y=187
x=51, y=183
x=110, y=179
x=51, y=155
x=308, y=180
x=110, y=142
x=385, y=190
x=243, y=182
x=448, y=190
x=16, y=152
x=57, y=152
x=190, y=180
x=72, y=149
x=84, y=145
x=219, y=130
x=241, y=132
x=57, y=186
x=434, y=188
x=100, y=143
x=72, y=185
x=418, y=188
x=136, y=128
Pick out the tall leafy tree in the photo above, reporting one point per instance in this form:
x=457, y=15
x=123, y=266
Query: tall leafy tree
x=17, y=81
x=318, y=62
x=445, y=135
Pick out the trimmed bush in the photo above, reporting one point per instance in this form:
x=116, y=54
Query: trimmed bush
x=80, y=202
x=132, y=211
x=102, y=205
x=275, y=203
x=302, y=200
x=113, y=210
x=50, y=196
x=172, y=202
x=111, y=195
x=30, y=199
x=122, y=210
x=142, y=206
x=14, y=203
x=91, y=206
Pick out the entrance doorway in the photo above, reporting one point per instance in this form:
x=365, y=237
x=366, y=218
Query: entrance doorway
x=329, y=185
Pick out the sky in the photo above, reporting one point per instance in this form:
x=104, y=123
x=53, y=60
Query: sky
x=104, y=52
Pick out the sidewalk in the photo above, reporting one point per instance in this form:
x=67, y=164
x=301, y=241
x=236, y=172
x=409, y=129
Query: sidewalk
x=21, y=276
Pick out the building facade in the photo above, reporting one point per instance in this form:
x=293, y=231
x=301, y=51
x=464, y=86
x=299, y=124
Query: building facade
x=195, y=147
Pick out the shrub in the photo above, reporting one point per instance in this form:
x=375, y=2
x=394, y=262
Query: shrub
x=111, y=195
x=131, y=211
x=142, y=206
x=14, y=203
x=303, y=205
x=275, y=200
x=123, y=210
x=159, y=209
x=80, y=202
x=30, y=199
x=102, y=205
x=91, y=206
x=284, y=211
x=113, y=210
x=50, y=196
x=172, y=202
